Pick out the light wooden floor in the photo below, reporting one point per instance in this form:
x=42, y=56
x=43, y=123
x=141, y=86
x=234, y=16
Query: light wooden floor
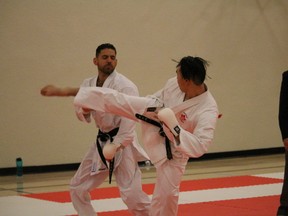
x=59, y=181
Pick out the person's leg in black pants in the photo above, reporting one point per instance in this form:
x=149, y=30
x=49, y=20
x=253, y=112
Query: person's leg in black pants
x=283, y=208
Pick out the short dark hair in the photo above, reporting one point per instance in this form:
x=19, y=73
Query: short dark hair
x=193, y=68
x=105, y=46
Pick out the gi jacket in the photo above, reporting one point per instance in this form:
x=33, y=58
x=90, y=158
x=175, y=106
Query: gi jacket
x=197, y=117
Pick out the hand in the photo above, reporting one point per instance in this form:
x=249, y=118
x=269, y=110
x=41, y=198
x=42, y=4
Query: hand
x=86, y=110
x=168, y=117
x=110, y=149
x=49, y=90
x=83, y=114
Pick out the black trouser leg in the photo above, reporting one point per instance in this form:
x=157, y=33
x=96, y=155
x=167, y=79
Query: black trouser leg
x=283, y=209
x=284, y=194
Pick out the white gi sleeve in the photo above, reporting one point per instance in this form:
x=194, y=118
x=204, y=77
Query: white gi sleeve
x=196, y=144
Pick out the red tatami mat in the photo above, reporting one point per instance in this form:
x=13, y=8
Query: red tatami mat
x=262, y=206
x=226, y=196
x=192, y=185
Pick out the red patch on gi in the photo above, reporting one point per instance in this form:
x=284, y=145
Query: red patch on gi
x=183, y=117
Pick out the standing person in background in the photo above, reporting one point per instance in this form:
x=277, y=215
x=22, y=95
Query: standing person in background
x=283, y=124
x=120, y=131
x=178, y=122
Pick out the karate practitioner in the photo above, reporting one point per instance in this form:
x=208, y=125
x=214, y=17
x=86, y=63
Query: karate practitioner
x=188, y=112
x=283, y=124
x=94, y=169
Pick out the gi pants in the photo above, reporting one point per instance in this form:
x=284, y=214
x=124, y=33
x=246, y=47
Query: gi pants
x=166, y=191
x=128, y=178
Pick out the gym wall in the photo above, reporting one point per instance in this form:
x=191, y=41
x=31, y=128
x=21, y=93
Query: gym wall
x=53, y=42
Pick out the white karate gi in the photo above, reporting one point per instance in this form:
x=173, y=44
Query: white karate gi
x=197, y=120
x=92, y=171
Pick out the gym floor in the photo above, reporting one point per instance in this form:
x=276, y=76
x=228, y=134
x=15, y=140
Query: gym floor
x=11, y=186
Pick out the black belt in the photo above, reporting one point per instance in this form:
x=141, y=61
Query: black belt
x=161, y=132
x=105, y=137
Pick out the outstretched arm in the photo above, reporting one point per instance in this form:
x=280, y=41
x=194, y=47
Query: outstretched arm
x=51, y=90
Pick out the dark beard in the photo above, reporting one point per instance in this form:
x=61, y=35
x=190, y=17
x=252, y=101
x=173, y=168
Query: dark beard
x=107, y=69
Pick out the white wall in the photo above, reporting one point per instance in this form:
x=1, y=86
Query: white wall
x=53, y=41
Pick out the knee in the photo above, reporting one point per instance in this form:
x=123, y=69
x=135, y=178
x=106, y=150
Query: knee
x=131, y=197
x=79, y=193
x=73, y=184
x=172, y=199
x=169, y=196
x=75, y=188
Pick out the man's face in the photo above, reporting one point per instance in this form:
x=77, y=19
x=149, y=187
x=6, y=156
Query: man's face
x=106, y=61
